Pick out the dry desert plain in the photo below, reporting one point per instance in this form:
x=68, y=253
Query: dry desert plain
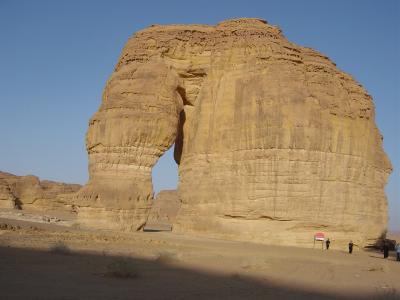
x=40, y=259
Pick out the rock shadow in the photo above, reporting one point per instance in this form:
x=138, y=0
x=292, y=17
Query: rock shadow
x=40, y=274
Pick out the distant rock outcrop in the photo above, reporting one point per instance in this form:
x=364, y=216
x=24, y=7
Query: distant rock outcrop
x=273, y=142
x=163, y=212
x=28, y=192
x=7, y=199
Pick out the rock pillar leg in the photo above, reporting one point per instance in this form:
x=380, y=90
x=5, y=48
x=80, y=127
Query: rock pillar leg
x=136, y=123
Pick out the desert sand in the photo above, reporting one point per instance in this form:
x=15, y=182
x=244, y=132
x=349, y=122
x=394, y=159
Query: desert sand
x=41, y=259
x=273, y=144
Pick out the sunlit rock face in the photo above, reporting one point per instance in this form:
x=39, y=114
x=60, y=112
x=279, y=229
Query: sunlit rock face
x=7, y=199
x=273, y=142
x=31, y=193
x=136, y=123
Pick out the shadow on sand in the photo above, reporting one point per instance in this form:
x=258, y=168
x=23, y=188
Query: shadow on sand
x=62, y=274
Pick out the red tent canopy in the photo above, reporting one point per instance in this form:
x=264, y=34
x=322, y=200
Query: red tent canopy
x=319, y=236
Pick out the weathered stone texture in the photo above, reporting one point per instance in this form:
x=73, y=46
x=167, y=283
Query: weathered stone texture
x=28, y=192
x=135, y=124
x=7, y=199
x=273, y=141
x=163, y=212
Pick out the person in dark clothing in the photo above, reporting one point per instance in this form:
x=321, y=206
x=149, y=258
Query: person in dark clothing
x=351, y=247
x=327, y=243
x=385, y=250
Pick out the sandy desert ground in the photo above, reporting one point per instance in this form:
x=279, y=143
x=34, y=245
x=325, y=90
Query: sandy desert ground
x=43, y=260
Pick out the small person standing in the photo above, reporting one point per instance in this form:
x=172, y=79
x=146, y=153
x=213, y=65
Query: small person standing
x=385, y=249
x=351, y=247
x=327, y=243
x=398, y=251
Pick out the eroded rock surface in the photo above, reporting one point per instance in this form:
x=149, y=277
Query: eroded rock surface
x=7, y=199
x=28, y=192
x=273, y=142
x=164, y=211
x=136, y=123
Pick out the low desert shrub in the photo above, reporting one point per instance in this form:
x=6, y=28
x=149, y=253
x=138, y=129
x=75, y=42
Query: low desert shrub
x=60, y=248
x=166, y=257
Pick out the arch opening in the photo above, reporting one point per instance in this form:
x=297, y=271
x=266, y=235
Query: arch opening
x=165, y=172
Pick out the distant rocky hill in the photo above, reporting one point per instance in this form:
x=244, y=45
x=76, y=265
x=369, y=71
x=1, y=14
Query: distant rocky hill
x=163, y=212
x=29, y=192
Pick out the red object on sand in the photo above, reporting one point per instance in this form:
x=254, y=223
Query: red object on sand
x=319, y=236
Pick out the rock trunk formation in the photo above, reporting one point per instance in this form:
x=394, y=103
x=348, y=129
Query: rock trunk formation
x=273, y=142
x=136, y=123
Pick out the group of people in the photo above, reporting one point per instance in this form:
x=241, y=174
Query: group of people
x=385, y=248
x=328, y=243
x=398, y=251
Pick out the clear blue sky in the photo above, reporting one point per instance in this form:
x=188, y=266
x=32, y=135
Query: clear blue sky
x=55, y=57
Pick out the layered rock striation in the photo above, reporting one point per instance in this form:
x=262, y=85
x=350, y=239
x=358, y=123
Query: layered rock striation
x=273, y=141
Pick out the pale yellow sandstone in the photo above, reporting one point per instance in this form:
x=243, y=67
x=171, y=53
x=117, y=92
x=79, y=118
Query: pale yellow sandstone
x=136, y=123
x=273, y=142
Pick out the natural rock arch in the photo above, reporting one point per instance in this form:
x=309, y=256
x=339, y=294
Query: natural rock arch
x=273, y=141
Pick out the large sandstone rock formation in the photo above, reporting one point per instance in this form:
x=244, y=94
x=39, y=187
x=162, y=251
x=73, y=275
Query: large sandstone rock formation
x=273, y=142
x=28, y=192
